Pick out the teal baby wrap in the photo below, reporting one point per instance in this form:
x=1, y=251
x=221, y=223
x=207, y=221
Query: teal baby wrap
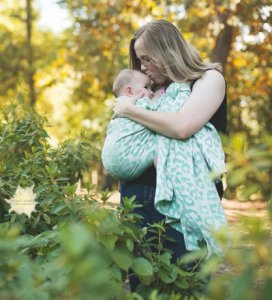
x=185, y=191
x=129, y=148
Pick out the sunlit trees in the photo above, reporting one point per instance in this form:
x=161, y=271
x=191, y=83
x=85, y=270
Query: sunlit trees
x=70, y=73
x=11, y=48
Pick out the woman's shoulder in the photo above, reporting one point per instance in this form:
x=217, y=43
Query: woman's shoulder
x=211, y=79
x=212, y=76
x=212, y=73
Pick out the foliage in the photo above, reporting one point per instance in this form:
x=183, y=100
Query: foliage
x=250, y=166
x=14, y=65
x=72, y=244
x=12, y=50
x=96, y=50
x=27, y=159
x=245, y=270
x=102, y=31
x=77, y=67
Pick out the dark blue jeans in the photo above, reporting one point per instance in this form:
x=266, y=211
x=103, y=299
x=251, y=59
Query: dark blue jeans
x=145, y=196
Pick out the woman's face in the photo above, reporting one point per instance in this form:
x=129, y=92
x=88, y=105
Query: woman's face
x=147, y=66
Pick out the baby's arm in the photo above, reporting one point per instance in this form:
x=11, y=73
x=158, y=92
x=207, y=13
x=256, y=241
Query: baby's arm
x=134, y=98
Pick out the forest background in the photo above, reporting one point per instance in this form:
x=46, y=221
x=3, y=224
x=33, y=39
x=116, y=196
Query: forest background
x=72, y=243
x=67, y=74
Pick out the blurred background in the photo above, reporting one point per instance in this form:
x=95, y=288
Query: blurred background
x=60, y=57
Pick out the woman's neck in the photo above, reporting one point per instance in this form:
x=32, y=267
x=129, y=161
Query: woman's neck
x=158, y=93
x=161, y=86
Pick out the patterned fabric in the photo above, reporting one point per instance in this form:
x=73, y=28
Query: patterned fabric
x=129, y=148
x=185, y=192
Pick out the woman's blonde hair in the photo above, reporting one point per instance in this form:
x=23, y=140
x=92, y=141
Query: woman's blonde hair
x=170, y=52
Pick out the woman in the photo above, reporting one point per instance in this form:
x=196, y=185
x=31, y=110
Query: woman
x=159, y=50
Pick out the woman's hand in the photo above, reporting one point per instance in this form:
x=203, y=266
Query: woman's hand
x=121, y=106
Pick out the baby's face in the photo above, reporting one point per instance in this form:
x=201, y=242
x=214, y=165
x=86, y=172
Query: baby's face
x=142, y=83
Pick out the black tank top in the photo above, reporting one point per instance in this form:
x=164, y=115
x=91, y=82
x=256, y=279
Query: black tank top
x=218, y=120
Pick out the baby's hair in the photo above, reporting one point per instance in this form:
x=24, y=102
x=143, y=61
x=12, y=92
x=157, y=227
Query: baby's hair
x=123, y=78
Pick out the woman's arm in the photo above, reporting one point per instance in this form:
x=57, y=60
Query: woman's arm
x=206, y=97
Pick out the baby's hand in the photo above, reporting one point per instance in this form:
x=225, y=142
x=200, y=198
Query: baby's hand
x=146, y=93
x=140, y=94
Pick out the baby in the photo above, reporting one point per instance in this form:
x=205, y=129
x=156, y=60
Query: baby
x=132, y=83
x=124, y=154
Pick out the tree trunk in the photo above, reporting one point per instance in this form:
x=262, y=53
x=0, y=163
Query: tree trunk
x=30, y=58
x=223, y=41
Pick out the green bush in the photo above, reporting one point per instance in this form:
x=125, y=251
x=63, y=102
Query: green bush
x=71, y=246
x=78, y=247
x=245, y=271
x=249, y=166
x=26, y=159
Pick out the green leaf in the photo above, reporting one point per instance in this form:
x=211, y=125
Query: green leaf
x=238, y=176
x=116, y=273
x=168, y=277
x=146, y=280
x=75, y=239
x=108, y=241
x=242, y=285
x=46, y=219
x=181, y=283
x=58, y=207
x=130, y=245
x=122, y=258
x=13, y=218
x=142, y=267
x=42, y=188
x=251, y=189
x=37, y=220
x=165, y=258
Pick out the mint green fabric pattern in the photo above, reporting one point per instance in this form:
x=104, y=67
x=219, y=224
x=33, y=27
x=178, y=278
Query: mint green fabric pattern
x=185, y=192
x=129, y=148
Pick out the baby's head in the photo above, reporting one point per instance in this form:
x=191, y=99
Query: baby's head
x=129, y=82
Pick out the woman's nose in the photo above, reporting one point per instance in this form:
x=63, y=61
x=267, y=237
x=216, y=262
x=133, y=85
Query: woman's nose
x=143, y=68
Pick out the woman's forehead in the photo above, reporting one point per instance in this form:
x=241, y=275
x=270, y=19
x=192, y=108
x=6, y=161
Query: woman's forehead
x=139, y=47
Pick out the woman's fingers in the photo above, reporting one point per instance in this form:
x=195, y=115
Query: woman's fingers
x=117, y=109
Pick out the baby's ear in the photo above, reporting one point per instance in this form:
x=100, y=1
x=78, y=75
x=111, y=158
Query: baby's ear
x=128, y=90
